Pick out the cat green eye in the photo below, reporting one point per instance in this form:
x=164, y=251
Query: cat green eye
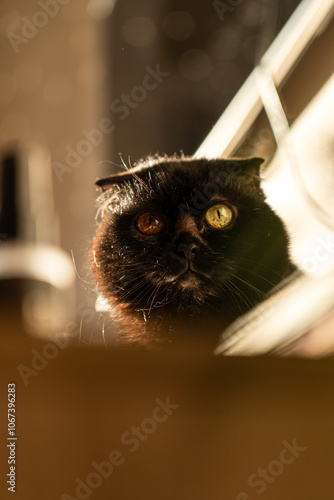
x=149, y=223
x=219, y=216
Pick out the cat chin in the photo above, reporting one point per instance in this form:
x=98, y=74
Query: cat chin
x=184, y=279
x=188, y=277
x=187, y=288
x=189, y=281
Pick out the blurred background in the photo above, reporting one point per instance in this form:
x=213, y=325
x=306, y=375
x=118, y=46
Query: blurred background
x=82, y=82
x=85, y=82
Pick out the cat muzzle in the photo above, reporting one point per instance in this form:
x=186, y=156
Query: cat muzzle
x=187, y=251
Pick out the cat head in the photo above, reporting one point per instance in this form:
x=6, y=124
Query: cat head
x=187, y=236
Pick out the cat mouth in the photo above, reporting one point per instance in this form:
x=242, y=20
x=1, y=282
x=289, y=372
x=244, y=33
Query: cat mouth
x=188, y=278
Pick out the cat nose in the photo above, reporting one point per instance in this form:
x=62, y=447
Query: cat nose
x=187, y=251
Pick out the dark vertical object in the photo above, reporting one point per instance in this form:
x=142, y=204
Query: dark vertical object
x=36, y=276
x=8, y=201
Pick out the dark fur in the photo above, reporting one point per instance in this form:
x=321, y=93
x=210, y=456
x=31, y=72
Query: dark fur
x=237, y=265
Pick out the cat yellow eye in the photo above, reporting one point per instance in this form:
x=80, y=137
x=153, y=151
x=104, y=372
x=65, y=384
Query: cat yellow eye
x=219, y=216
x=149, y=223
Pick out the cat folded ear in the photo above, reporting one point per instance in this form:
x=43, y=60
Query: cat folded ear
x=250, y=166
x=249, y=169
x=132, y=173
x=108, y=182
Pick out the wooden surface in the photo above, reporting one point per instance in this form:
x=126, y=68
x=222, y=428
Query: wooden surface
x=229, y=417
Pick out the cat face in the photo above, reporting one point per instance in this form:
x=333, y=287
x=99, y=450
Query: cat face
x=185, y=236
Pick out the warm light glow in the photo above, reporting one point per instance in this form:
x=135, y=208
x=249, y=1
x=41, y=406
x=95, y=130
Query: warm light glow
x=311, y=138
x=100, y=9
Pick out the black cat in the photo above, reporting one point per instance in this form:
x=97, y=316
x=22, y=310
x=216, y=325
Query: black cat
x=185, y=246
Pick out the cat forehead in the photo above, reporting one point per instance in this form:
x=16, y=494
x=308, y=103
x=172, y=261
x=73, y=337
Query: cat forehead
x=185, y=167
x=168, y=185
x=153, y=170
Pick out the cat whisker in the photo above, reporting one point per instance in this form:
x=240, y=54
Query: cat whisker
x=245, y=300
x=80, y=331
x=103, y=333
x=251, y=286
x=109, y=161
x=233, y=292
x=153, y=293
x=111, y=321
x=154, y=296
x=123, y=162
x=263, y=266
x=273, y=285
x=146, y=289
x=76, y=271
x=141, y=182
x=131, y=291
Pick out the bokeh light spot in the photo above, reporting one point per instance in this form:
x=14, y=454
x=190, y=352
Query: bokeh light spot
x=57, y=91
x=139, y=31
x=179, y=25
x=28, y=77
x=224, y=44
x=195, y=65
